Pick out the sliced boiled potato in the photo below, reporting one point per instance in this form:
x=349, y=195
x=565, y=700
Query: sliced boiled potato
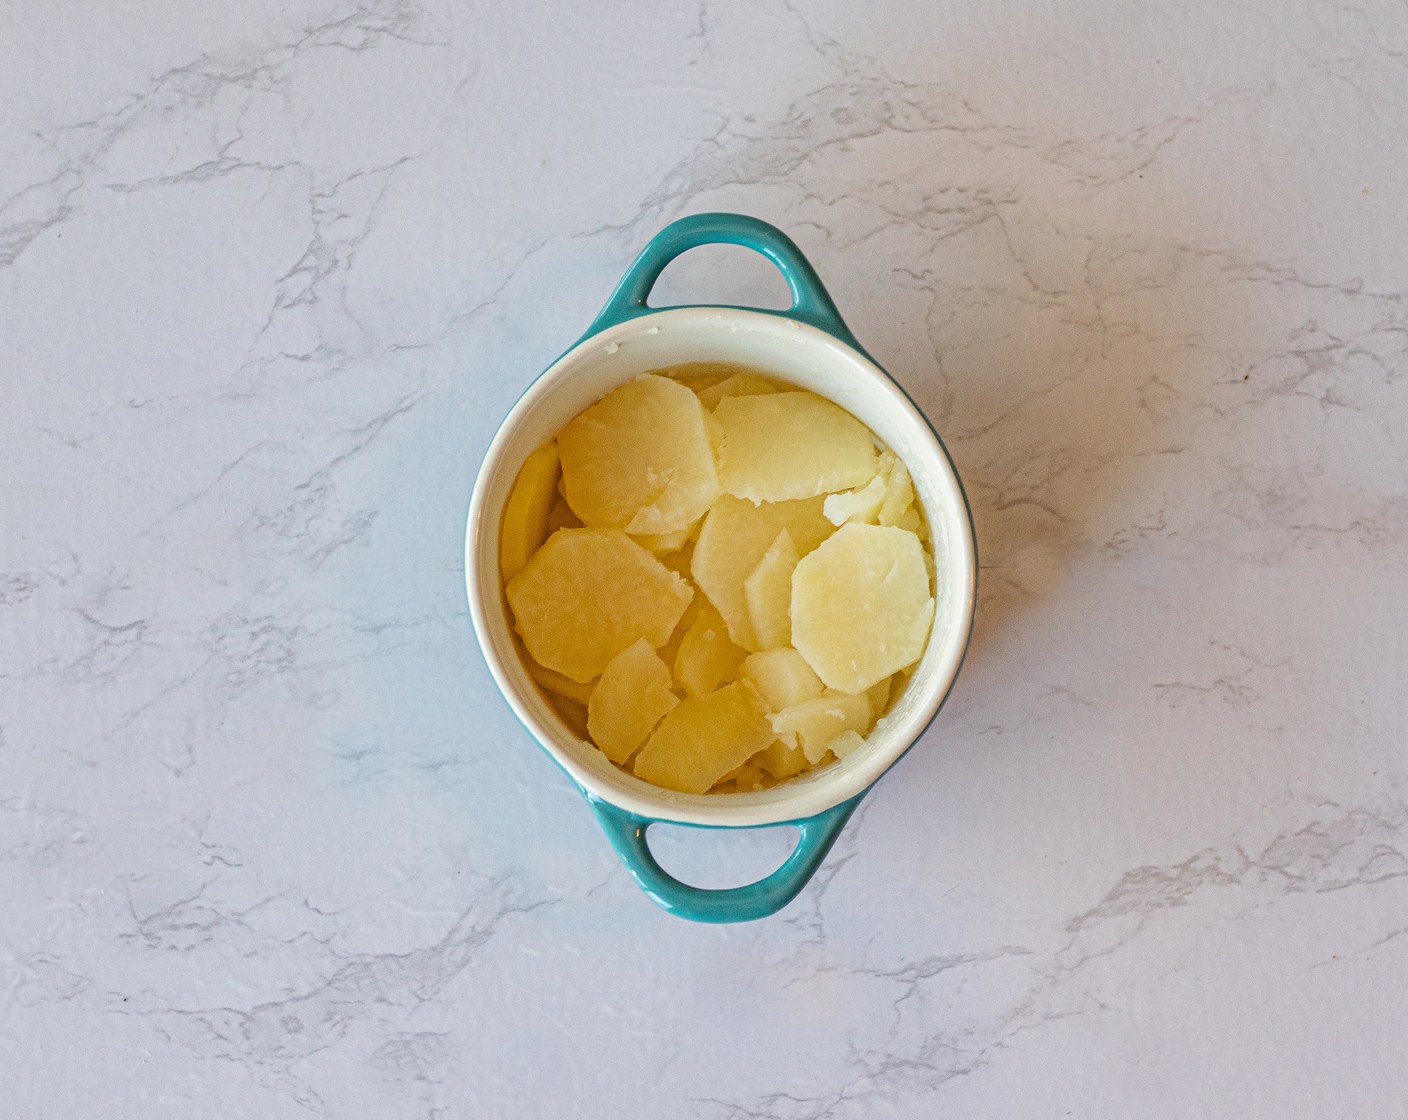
x=782, y=759
x=681, y=559
x=879, y=696
x=922, y=532
x=768, y=591
x=781, y=446
x=909, y=520
x=558, y=684
x=727, y=779
x=899, y=497
x=698, y=376
x=806, y=633
x=887, y=499
x=525, y=524
x=671, y=649
x=562, y=517
x=753, y=777
x=735, y=535
x=741, y=384
x=715, y=431
x=817, y=722
x=846, y=743
x=782, y=677
x=661, y=543
x=629, y=700
x=745, y=779
x=640, y=458
x=856, y=505
x=587, y=594
x=898, y=683
x=706, y=657
x=573, y=714
x=861, y=607
x=702, y=739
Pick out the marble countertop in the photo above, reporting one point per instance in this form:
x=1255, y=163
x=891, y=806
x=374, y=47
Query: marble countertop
x=272, y=846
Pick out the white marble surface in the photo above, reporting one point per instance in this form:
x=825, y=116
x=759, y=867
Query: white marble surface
x=270, y=273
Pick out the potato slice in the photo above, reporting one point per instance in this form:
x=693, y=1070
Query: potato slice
x=768, y=591
x=817, y=722
x=909, y=520
x=898, y=683
x=525, y=523
x=587, y=594
x=856, y=505
x=629, y=700
x=701, y=740
x=879, y=696
x=706, y=657
x=745, y=779
x=557, y=684
x=781, y=759
x=741, y=384
x=562, y=517
x=782, y=677
x=727, y=779
x=753, y=777
x=899, y=497
x=835, y=618
x=782, y=446
x=640, y=458
x=573, y=714
x=698, y=376
x=671, y=649
x=887, y=499
x=662, y=543
x=734, y=537
x=861, y=607
x=681, y=559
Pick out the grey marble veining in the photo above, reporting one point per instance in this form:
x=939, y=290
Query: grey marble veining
x=270, y=844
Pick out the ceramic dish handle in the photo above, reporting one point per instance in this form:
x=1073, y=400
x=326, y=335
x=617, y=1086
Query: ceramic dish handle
x=810, y=301
x=768, y=895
